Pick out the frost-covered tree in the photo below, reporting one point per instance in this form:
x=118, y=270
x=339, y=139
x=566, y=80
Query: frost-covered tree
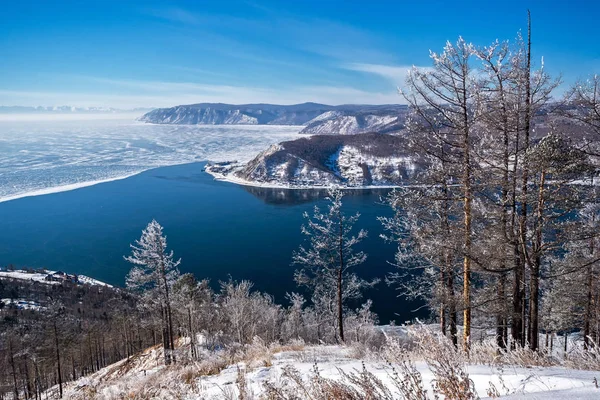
x=189, y=298
x=424, y=227
x=443, y=111
x=248, y=314
x=584, y=109
x=329, y=259
x=554, y=165
x=153, y=275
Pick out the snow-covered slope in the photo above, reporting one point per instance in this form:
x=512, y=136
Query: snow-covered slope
x=202, y=116
x=144, y=376
x=352, y=161
x=353, y=122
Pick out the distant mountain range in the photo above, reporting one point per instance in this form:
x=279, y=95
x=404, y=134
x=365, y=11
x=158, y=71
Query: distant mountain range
x=66, y=110
x=317, y=118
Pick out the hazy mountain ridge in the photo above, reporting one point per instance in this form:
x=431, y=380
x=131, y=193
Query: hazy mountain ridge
x=318, y=118
x=369, y=159
x=66, y=109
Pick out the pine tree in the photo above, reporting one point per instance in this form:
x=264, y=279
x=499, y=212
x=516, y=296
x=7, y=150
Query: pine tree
x=153, y=275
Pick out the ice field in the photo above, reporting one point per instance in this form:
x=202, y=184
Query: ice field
x=46, y=156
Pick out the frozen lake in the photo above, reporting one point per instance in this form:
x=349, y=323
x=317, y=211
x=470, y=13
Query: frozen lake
x=46, y=156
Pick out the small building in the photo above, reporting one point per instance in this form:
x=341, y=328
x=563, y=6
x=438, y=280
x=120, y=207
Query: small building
x=60, y=276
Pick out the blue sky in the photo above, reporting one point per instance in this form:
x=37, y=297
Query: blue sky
x=128, y=54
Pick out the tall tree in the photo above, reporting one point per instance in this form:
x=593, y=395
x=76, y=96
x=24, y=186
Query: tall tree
x=329, y=259
x=153, y=274
x=554, y=165
x=424, y=227
x=443, y=103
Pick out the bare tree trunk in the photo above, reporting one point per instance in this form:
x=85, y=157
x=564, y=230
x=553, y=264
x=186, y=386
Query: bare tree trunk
x=192, y=338
x=467, y=238
x=14, y=372
x=443, y=305
x=169, y=319
x=500, y=317
x=340, y=308
x=468, y=198
x=524, y=187
x=534, y=279
x=58, y=372
x=589, y=301
x=165, y=335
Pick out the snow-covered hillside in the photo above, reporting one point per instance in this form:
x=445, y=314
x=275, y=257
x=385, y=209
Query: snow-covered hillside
x=351, y=161
x=303, y=371
x=202, y=116
x=229, y=114
x=50, y=277
x=350, y=123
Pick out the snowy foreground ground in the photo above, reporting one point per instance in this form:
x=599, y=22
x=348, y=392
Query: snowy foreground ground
x=144, y=377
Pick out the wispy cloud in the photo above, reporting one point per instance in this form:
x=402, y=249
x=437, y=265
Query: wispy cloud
x=284, y=31
x=173, y=14
x=394, y=73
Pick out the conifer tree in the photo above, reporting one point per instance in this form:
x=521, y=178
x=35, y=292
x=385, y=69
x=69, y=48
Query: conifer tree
x=153, y=275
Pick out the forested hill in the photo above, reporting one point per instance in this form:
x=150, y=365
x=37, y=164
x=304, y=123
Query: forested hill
x=318, y=118
x=369, y=159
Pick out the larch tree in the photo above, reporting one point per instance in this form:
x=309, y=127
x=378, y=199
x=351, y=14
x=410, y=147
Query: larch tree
x=424, y=226
x=329, y=259
x=554, y=166
x=443, y=104
x=153, y=275
x=188, y=297
x=584, y=110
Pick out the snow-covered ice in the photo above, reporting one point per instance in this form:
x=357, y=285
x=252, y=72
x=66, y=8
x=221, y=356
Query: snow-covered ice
x=46, y=156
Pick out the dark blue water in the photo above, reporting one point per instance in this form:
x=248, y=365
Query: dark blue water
x=218, y=229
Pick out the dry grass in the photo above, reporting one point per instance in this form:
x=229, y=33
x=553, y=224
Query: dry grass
x=127, y=379
x=357, y=385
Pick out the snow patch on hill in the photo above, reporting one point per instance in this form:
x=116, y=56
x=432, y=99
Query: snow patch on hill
x=335, y=122
x=358, y=168
x=43, y=275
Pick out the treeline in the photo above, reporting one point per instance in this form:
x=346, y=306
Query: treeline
x=73, y=331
